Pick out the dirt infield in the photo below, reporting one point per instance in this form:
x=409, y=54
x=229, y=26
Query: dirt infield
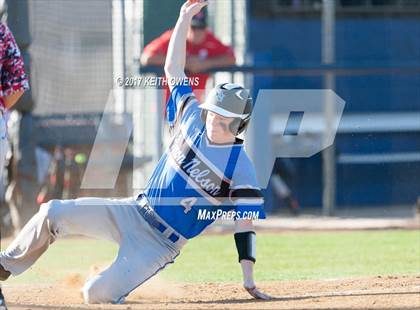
x=381, y=292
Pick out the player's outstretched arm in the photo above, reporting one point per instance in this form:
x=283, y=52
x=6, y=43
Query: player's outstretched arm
x=245, y=243
x=175, y=58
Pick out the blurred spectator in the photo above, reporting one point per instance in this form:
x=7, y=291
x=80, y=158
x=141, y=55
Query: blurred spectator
x=13, y=83
x=204, y=51
x=21, y=176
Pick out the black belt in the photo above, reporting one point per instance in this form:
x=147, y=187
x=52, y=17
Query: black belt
x=150, y=217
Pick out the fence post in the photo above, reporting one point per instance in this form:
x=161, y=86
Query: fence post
x=328, y=155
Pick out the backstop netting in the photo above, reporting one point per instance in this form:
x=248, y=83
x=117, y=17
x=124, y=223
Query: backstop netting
x=71, y=54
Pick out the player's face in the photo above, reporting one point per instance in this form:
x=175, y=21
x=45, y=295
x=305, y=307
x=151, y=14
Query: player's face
x=217, y=127
x=197, y=35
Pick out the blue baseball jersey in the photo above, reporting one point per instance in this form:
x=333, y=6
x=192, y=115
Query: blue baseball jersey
x=196, y=181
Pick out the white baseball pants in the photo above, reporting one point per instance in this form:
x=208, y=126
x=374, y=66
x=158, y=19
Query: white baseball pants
x=143, y=250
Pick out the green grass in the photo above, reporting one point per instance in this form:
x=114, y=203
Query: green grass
x=292, y=256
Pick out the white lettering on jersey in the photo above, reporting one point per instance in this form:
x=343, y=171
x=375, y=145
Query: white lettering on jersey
x=198, y=176
x=187, y=203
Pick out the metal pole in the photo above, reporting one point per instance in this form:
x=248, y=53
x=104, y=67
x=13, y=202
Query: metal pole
x=137, y=106
x=124, y=52
x=160, y=126
x=232, y=32
x=328, y=155
x=118, y=50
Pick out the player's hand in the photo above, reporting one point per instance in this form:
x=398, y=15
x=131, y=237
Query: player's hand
x=256, y=293
x=192, y=7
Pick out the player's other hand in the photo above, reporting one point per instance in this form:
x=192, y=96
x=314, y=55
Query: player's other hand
x=192, y=7
x=256, y=293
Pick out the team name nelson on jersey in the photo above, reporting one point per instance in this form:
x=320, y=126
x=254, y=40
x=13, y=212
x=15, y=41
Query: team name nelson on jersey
x=196, y=169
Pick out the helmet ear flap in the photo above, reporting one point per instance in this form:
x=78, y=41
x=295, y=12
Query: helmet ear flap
x=242, y=127
x=243, y=123
x=235, y=126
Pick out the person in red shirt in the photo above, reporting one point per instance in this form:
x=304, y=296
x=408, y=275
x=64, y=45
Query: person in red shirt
x=204, y=51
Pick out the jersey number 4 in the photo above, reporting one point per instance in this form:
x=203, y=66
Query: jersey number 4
x=188, y=203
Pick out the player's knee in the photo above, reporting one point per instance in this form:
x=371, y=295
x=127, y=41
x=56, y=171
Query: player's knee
x=93, y=293
x=49, y=209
